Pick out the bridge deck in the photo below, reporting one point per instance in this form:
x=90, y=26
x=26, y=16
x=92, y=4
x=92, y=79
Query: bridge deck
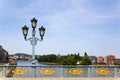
x=115, y=78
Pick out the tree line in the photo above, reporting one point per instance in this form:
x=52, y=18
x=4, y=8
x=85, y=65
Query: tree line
x=70, y=59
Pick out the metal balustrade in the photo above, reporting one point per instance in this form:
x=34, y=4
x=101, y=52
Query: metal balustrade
x=59, y=71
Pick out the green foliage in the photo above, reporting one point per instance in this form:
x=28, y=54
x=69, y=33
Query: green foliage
x=98, y=64
x=3, y=55
x=68, y=60
x=85, y=60
x=61, y=60
x=47, y=58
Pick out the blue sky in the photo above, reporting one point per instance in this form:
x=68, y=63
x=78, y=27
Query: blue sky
x=72, y=26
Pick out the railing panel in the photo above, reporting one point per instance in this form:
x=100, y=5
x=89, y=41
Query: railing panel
x=19, y=71
x=75, y=71
x=59, y=71
x=1, y=71
x=118, y=71
x=48, y=71
x=102, y=71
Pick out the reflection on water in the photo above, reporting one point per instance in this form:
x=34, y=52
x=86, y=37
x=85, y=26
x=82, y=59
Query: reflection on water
x=27, y=63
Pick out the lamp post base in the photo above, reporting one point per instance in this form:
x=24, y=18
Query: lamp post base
x=34, y=68
x=33, y=62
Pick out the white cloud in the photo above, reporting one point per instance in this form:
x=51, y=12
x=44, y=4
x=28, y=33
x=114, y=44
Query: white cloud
x=68, y=11
x=68, y=23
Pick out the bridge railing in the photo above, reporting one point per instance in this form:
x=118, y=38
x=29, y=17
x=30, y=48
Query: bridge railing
x=59, y=71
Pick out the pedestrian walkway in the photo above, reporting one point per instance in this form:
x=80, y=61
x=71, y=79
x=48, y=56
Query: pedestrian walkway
x=60, y=78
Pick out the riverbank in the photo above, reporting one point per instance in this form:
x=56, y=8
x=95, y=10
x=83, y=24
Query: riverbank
x=47, y=63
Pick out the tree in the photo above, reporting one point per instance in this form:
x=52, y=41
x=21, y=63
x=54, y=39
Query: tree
x=85, y=60
x=78, y=57
x=47, y=58
x=51, y=58
x=3, y=55
x=67, y=60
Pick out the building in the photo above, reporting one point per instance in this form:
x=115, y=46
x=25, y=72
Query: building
x=100, y=59
x=20, y=56
x=117, y=61
x=93, y=59
x=110, y=59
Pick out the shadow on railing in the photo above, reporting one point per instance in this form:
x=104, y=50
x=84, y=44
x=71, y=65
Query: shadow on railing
x=59, y=71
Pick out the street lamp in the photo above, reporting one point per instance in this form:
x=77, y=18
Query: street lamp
x=33, y=23
x=25, y=31
x=33, y=39
x=41, y=32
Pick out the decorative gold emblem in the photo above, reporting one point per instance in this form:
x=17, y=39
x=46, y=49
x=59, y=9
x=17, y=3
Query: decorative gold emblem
x=19, y=71
x=0, y=71
x=75, y=71
x=118, y=71
x=103, y=71
x=8, y=71
x=48, y=71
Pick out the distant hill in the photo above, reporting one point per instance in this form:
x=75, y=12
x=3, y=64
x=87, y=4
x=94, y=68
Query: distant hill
x=19, y=54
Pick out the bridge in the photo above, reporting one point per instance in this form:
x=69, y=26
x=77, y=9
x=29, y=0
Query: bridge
x=68, y=72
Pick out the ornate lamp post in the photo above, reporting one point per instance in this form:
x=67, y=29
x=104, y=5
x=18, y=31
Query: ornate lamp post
x=33, y=39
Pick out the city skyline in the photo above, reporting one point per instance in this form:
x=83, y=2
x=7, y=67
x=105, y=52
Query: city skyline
x=72, y=26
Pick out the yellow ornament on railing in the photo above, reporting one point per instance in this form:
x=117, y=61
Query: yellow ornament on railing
x=103, y=71
x=19, y=71
x=48, y=71
x=118, y=71
x=0, y=72
x=75, y=71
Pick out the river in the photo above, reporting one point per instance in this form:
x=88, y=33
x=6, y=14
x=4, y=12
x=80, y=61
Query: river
x=27, y=63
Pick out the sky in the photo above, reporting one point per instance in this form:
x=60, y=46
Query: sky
x=72, y=26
